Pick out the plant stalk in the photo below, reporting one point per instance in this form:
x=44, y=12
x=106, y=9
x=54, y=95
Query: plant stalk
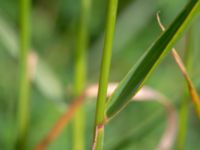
x=183, y=113
x=184, y=108
x=24, y=87
x=104, y=76
x=80, y=72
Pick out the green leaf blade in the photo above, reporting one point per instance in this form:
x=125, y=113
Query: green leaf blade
x=136, y=77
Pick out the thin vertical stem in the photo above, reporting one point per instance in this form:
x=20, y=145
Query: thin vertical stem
x=23, y=104
x=184, y=109
x=80, y=72
x=104, y=75
x=183, y=114
x=183, y=122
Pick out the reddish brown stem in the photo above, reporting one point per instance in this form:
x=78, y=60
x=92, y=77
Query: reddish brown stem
x=97, y=129
x=61, y=123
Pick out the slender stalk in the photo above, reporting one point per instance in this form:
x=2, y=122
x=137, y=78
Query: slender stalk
x=183, y=121
x=23, y=103
x=184, y=108
x=104, y=75
x=193, y=93
x=80, y=72
x=195, y=98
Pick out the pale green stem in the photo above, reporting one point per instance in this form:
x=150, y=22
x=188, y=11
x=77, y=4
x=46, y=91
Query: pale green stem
x=184, y=109
x=183, y=121
x=80, y=73
x=104, y=75
x=23, y=103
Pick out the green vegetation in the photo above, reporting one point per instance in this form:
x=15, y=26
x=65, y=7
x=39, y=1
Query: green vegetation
x=58, y=60
x=80, y=72
x=104, y=76
x=24, y=83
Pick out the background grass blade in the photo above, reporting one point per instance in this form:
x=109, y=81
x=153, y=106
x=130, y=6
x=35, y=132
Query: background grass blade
x=140, y=72
x=80, y=74
x=45, y=79
x=24, y=81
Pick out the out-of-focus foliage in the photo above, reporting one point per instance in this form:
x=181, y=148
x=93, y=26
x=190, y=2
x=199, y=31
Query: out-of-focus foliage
x=54, y=26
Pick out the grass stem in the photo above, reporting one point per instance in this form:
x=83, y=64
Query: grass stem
x=104, y=75
x=193, y=93
x=184, y=108
x=23, y=103
x=80, y=72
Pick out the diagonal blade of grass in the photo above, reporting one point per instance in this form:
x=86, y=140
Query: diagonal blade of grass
x=136, y=77
x=179, y=62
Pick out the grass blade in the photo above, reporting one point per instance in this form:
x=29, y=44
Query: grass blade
x=24, y=81
x=80, y=74
x=136, y=77
x=45, y=79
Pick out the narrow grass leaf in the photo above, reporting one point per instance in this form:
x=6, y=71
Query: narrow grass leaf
x=136, y=77
x=80, y=73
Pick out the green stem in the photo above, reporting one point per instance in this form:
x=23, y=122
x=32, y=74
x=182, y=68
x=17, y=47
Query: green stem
x=184, y=109
x=104, y=75
x=183, y=121
x=23, y=104
x=80, y=72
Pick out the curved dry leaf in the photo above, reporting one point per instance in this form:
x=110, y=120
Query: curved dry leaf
x=168, y=138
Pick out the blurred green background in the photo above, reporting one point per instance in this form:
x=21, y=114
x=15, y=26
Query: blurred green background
x=53, y=38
